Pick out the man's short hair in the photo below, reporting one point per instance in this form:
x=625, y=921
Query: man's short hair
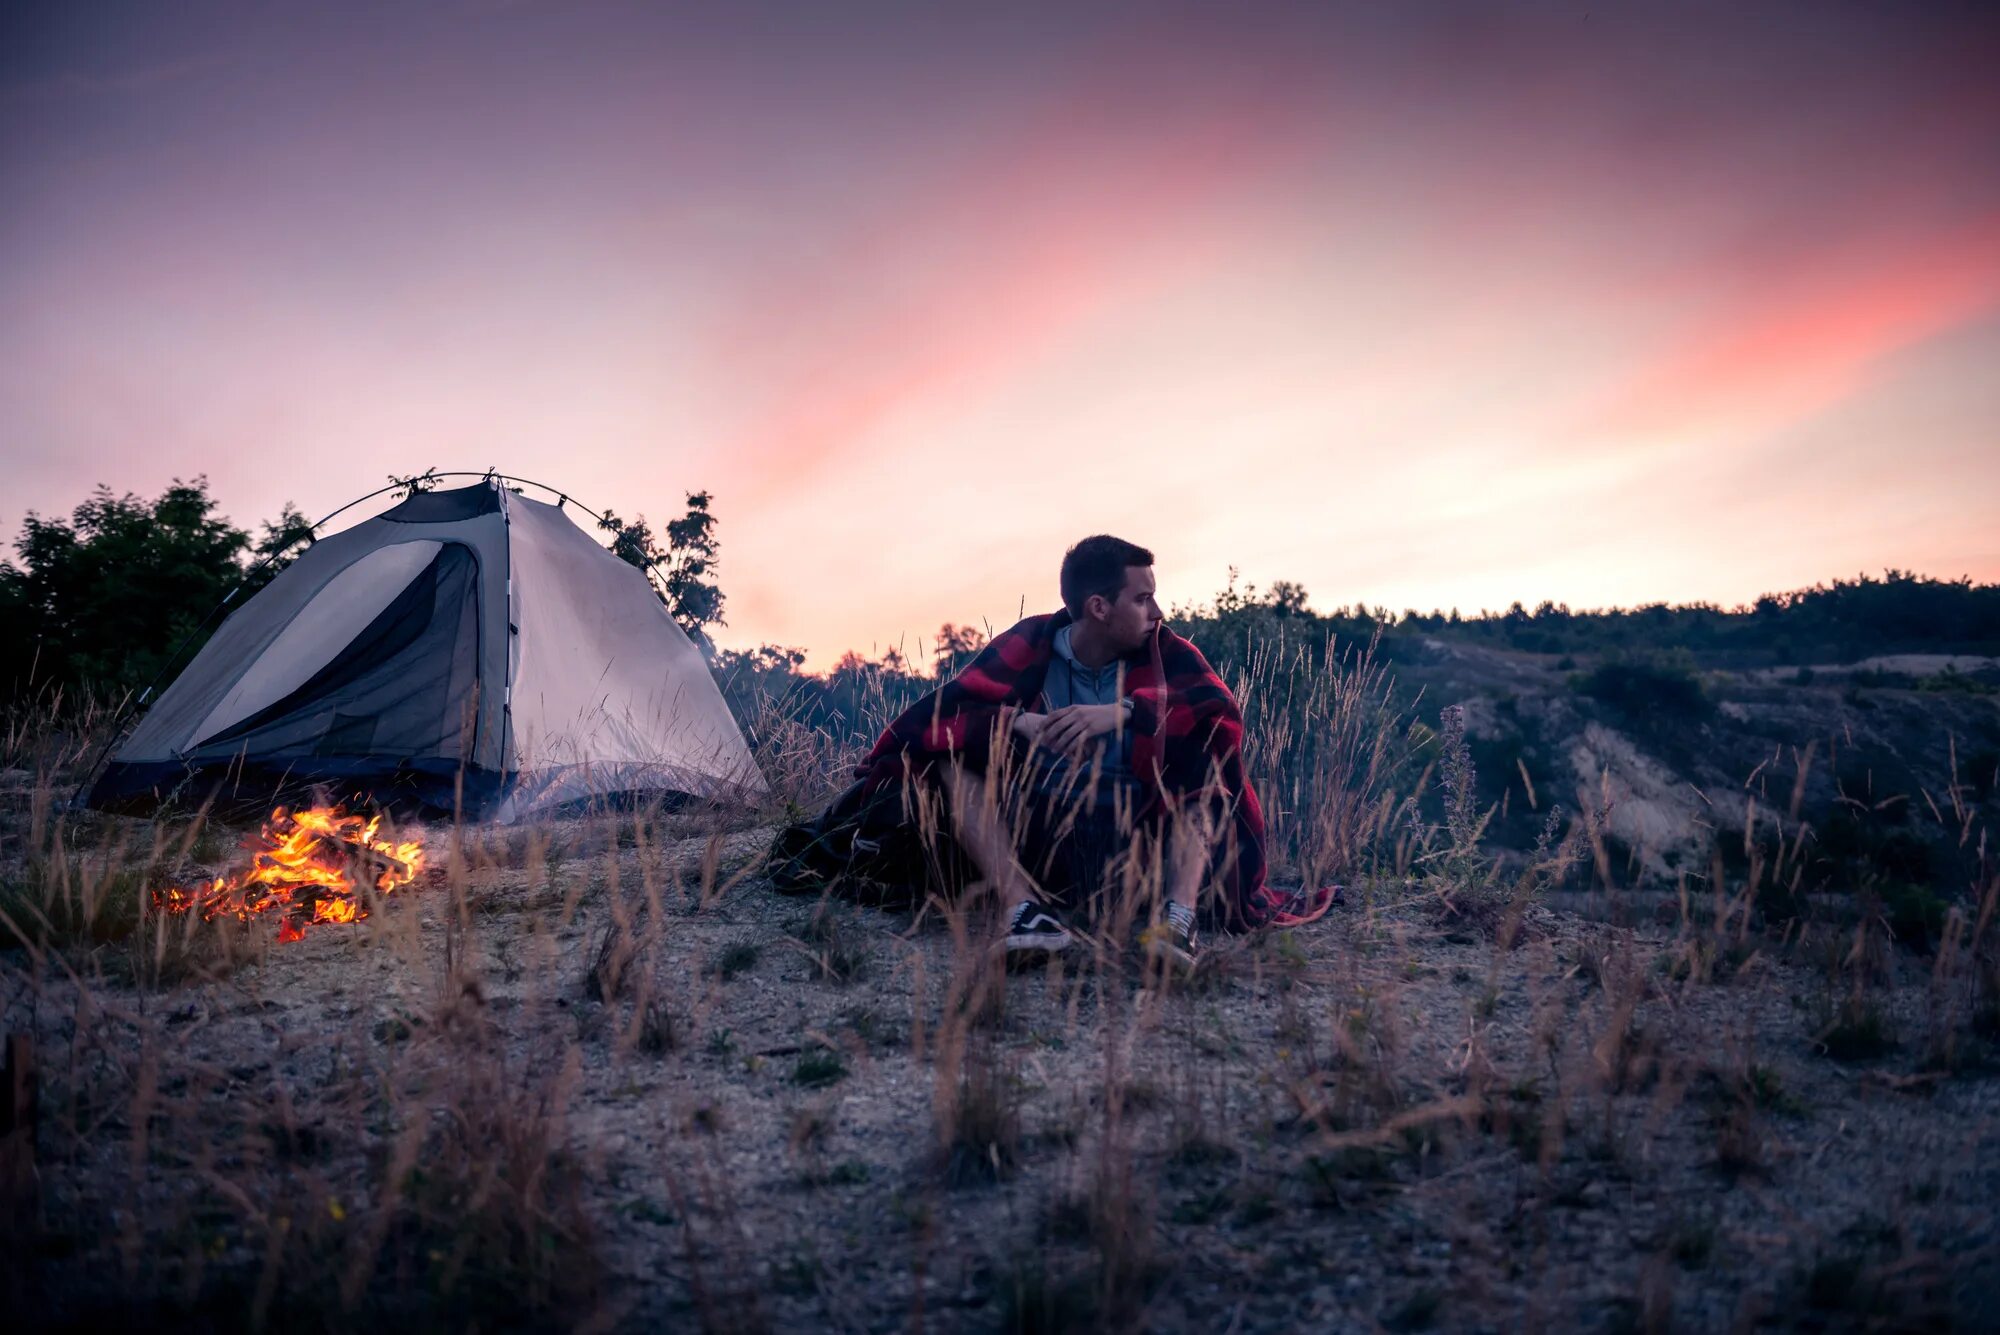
x=1097, y=566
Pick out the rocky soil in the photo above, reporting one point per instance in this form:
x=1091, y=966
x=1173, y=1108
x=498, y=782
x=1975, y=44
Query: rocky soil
x=599, y=1075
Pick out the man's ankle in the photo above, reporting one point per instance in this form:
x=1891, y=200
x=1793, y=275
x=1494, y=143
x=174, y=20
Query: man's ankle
x=1181, y=916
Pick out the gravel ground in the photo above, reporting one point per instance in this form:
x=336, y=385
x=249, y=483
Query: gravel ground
x=786, y=1115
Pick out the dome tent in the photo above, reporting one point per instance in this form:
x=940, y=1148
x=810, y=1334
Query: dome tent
x=469, y=649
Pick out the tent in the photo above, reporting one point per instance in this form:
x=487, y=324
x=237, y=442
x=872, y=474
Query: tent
x=469, y=649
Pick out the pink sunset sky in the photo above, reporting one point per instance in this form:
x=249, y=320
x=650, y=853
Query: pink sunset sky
x=1419, y=305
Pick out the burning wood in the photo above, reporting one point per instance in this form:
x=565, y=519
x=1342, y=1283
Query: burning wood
x=305, y=871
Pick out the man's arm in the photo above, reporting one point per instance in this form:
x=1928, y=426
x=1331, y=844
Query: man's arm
x=1069, y=727
x=964, y=716
x=1028, y=724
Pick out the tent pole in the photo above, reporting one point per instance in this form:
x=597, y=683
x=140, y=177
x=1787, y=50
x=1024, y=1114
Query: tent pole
x=311, y=534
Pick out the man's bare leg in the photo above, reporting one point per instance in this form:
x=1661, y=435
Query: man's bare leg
x=1191, y=834
x=982, y=833
x=1190, y=842
x=1184, y=875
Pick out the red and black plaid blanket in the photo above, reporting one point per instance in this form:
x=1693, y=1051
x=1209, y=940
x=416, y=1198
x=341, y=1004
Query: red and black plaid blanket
x=1187, y=744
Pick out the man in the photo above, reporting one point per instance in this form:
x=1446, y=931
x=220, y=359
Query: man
x=1083, y=737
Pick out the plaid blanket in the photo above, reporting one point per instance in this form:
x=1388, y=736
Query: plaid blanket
x=1187, y=745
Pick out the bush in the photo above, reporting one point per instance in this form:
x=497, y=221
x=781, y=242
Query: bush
x=741, y=957
x=819, y=1068
x=1857, y=1032
x=1952, y=681
x=1862, y=847
x=1647, y=690
x=1915, y=915
x=105, y=597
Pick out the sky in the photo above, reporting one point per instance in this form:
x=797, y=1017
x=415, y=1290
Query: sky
x=1418, y=305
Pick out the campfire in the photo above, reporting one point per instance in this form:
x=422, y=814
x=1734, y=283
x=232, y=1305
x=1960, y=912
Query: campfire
x=308, y=868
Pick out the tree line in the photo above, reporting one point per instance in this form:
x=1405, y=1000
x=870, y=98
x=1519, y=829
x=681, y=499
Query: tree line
x=101, y=600
x=125, y=590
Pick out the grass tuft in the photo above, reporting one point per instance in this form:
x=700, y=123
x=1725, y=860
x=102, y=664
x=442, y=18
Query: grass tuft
x=1858, y=1032
x=819, y=1068
x=738, y=957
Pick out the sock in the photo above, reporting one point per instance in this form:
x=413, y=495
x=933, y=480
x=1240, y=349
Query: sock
x=1181, y=916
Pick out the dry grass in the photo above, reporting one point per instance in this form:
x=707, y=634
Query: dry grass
x=593, y=1074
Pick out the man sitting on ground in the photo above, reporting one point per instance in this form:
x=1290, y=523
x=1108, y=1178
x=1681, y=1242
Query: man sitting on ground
x=1085, y=736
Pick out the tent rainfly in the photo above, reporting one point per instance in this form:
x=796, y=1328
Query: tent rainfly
x=468, y=649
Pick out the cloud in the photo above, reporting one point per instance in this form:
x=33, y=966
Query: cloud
x=1789, y=356
x=1095, y=202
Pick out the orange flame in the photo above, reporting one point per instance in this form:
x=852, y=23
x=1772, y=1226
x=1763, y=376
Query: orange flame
x=304, y=871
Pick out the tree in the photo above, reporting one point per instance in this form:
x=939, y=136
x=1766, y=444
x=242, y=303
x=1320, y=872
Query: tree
x=284, y=538
x=684, y=564
x=955, y=647
x=414, y=484
x=691, y=555
x=783, y=658
x=103, y=599
x=1286, y=598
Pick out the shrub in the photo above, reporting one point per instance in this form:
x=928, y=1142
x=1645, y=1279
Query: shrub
x=1915, y=914
x=837, y=955
x=1859, y=1031
x=1647, y=690
x=1033, y=1300
x=738, y=958
x=819, y=1068
x=1952, y=681
x=981, y=1126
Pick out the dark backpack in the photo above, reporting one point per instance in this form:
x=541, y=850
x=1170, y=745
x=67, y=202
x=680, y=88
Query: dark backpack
x=863, y=847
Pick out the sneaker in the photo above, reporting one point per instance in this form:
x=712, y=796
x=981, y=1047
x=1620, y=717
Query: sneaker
x=1171, y=943
x=1033, y=931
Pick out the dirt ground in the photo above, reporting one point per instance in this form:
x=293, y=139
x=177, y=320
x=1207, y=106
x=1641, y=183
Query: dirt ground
x=729, y=1109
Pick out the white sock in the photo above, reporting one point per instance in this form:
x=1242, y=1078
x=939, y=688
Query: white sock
x=1181, y=916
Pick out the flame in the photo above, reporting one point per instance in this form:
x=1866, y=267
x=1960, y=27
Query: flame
x=304, y=871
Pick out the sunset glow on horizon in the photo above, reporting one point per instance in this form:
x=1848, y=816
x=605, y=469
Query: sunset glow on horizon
x=1419, y=306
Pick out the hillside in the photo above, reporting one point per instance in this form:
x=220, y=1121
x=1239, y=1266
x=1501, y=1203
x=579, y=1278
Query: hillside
x=789, y=1115
x=596, y=1072
x=1887, y=761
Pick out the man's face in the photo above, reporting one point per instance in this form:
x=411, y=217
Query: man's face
x=1129, y=618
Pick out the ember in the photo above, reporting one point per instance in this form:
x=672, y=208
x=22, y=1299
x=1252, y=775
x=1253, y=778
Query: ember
x=305, y=871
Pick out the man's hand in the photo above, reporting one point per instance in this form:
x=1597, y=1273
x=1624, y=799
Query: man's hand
x=1069, y=727
x=1030, y=725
